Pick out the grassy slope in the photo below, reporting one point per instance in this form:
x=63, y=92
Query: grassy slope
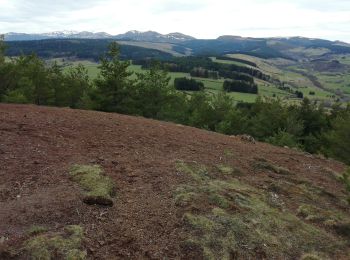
x=287, y=71
x=281, y=69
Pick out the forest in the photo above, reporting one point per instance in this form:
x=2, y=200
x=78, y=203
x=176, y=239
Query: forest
x=309, y=126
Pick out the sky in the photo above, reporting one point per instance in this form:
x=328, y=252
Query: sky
x=205, y=19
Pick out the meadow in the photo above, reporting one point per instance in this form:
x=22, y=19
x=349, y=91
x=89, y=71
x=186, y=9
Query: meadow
x=266, y=89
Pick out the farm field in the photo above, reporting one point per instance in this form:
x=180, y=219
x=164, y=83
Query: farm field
x=335, y=85
x=265, y=88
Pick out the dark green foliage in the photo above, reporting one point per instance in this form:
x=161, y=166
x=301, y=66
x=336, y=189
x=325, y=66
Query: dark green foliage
x=207, y=68
x=2, y=50
x=114, y=89
x=91, y=49
x=240, y=86
x=188, y=84
x=28, y=79
x=153, y=92
x=338, y=139
x=299, y=94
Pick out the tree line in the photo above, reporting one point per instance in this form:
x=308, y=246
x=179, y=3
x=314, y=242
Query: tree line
x=308, y=126
x=190, y=63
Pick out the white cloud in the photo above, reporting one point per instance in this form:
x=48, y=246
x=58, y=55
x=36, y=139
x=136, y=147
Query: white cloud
x=202, y=19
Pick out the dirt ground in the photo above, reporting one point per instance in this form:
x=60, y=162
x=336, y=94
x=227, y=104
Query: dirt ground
x=38, y=145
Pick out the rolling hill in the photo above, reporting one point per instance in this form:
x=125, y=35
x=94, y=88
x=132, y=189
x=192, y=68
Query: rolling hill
x=317, y=68
x=291, y=48
x=88, y=185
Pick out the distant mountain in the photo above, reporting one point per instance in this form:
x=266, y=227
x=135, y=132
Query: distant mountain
x=295, y=48
x=149, y=36
x=56, y=35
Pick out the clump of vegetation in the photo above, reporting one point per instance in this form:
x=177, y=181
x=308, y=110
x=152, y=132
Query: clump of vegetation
x=225, y=169
x=99, y=189
x=265, y=165
x=310, y=257
x=35, y=229
x=196, y=171
x=227, y=219
x=345, y=178
x=228, y=170
x=228, y=153
x=61, y=245
x=315, y=214
x=188, y=84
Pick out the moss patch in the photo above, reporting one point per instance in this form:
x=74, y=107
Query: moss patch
x=228, y=219
x=35, y=229
x=99, y=189
x=62, y=245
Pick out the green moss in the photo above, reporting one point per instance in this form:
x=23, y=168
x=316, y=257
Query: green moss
x=199, y=222
x=64, y=245
x=243, y=223
x=34, y=230
x=196, y=171
x=184, y=195
x=99, y=189
x=225, y=169
x=228, y=153
x=219, y=201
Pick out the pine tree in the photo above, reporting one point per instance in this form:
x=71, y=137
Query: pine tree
x=113, y=85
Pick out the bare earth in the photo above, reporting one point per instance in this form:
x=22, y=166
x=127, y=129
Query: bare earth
x=38, y=145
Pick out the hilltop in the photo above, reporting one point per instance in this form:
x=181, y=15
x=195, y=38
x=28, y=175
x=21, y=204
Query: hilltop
x=171, y=191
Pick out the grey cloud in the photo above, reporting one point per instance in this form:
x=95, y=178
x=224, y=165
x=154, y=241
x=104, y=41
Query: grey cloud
x=176, y=6
x=324, y=5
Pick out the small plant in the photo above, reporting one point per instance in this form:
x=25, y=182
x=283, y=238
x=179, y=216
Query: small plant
x=61, y=245
x=228, y=153
x=345, y=178
x=99, y=189
x=35, y=230
x=225, y=169
x=264, y=165
x=310, y=257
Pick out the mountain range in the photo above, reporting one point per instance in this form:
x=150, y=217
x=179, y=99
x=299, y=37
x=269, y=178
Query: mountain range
x=134, y=35
x=178, y=44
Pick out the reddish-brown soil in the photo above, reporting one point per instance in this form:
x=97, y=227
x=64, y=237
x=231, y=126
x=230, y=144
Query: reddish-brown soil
x=38, y=145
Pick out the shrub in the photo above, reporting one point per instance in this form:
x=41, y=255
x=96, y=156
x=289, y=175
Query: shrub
x=188, y=84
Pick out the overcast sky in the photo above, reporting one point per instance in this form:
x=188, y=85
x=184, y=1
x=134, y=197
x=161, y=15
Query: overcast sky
x=328, y=19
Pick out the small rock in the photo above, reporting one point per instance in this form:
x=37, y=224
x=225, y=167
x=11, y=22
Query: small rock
x=247, y=138
x=2, y=240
